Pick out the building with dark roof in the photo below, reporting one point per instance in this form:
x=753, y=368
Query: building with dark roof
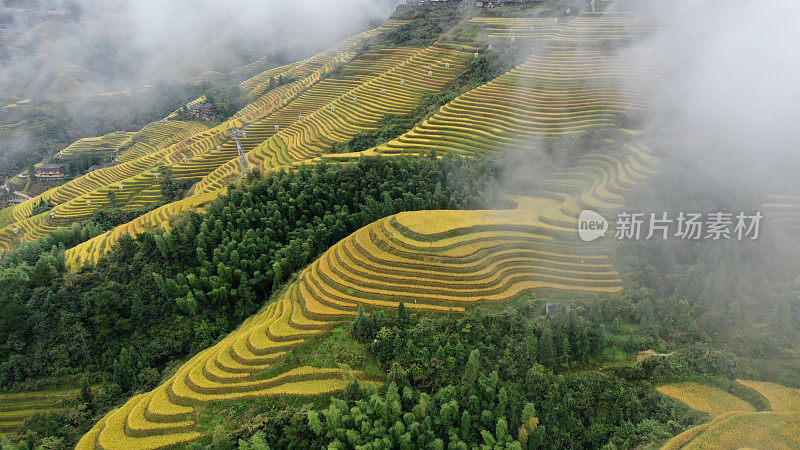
x=203, y=111
x=50, y=172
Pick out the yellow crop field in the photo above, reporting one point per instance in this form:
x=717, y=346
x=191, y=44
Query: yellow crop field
x=704, y=398
x=687, y=436
x=102, y=144
x=778, y=429
x=545, y=96
x=781, y=398
x=189, y=148
x=358, y=108
x=365, y=76
x=744, y=430
x=427, y=263
x=429, y=260
x=162, y=416
x=299, y=121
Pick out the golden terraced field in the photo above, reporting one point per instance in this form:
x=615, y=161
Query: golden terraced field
x=735, y=429
x=101, y=144
x=299, y=121
x=356, y=106
x=299, y=140
x=704, y=398
x=135, y=180
x=430, y=260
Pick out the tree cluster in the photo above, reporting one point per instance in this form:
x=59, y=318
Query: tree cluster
x=475, y=382
x=161, y=297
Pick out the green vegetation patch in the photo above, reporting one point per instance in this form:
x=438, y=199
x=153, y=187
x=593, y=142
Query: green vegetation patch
x=330, y=350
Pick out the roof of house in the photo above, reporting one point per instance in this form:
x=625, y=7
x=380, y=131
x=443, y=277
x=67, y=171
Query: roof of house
x=50, y=167
x=203, y=106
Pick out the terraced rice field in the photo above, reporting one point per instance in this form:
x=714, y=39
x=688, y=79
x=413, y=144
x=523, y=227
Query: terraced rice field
x=15, y=408
x=518, y=27
x=257, y=85
x=560, y=91
x=110, y=186
x=776, y=429
x=781, y=398
x=704, y=398
x=6, y=216
x=587, y=27
x=606, y=27
x=228, y=370
x=158, y=135
x=191, y=149
x=396, y=91
x=742, y=430
x=331, y=111
x=101, y=144
x=563, y=89
x=91, y=250
x=430, y=260
x=355, y=73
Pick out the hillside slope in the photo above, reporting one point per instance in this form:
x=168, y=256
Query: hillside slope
x=431, y=260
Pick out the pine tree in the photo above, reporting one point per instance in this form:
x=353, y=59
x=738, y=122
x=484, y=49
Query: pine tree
x=401, y=318
x=501, y=430
x=397, y=375
x=547, y=353
x=528, y=435
x=466, y=425
x=126, y=369
x=277, y=278
x=502, y=402
x=471, y=372
x=566, y=352
x=361, y=326
x=602, y=337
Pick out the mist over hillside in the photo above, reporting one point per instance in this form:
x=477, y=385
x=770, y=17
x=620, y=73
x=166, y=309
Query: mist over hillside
x=100, y=47
x=729, y=101
x=70, y=70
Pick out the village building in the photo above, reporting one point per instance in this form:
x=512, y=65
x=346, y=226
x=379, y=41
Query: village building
x=15, y=199
x=50, y=172
x=552, y=309
x=203, y=111
x=492, y=4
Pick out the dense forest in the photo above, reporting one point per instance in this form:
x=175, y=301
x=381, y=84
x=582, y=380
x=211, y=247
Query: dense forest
x=112, y=325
